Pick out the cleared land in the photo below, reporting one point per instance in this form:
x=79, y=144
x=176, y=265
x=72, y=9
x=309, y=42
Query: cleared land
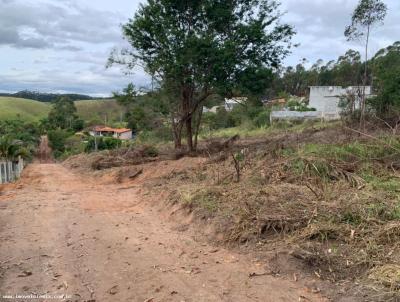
x=312, y=202
x=30, y=110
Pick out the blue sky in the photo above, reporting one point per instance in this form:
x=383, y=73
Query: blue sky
x=63, y=45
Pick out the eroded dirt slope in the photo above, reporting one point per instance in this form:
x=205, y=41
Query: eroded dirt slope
x=98, y=241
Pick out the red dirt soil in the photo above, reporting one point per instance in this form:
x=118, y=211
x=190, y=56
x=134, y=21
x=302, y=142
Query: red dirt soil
x=62, y=233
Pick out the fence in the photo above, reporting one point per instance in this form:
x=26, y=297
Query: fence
x=10, y=170
x=301, y=116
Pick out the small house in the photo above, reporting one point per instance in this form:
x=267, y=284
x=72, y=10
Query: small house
x=119, y=133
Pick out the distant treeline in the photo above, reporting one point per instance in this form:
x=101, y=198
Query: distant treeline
x=47, y=97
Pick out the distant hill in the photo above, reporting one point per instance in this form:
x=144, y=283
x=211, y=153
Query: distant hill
x=92, y=111
x=45, y=97
x=28, y=110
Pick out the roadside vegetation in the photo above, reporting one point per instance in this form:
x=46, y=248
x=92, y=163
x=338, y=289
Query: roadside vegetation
x=18, y=138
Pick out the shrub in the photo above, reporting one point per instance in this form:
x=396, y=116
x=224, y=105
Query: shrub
x=103, y=143
x=262, y=119
x=57, y=140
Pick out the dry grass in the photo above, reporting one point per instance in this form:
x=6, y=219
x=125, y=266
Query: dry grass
x=338, y=203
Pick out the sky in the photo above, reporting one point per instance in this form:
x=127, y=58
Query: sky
x=63, y=45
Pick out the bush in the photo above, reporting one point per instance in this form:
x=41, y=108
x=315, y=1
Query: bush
x=57, y=140
x=150, y=151
x=103, y=143
x=78, y=125
x=262, y=119
x=297, y=106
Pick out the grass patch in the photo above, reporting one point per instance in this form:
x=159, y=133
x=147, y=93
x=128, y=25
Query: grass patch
x=248, y=131
x=203, y=200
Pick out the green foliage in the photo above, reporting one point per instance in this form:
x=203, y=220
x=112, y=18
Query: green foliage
x=386, y=146
x=95, y=112
x=262, y=119
x=77, y=125
x=220, y=119
x=366, y=14
x=143, y=112
x=386, y=67
x=18, y=138
x=150, y=151
x=346, y=71
x=324, y=160
x=63, y=114
x=74, y=145
x=297, y=106
x=205, y=200
x=103, y=143
x=57, y=140
x=9, y=148
x=197, y=49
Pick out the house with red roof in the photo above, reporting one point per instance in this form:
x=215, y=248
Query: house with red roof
x=104, y=131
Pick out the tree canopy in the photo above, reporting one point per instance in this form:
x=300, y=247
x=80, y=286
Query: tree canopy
x=63, y=115
x=197, y=48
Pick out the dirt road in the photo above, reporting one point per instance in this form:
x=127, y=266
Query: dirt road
x=61, y=233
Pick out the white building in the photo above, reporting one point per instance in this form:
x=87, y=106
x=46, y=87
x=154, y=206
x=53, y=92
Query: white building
x=326, y=99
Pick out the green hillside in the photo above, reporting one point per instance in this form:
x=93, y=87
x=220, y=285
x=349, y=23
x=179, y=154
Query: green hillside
x=96, y=111
x=28, y=110
x=92, y=111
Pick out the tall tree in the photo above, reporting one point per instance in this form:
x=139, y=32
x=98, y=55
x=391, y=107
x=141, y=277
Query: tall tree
x=63, y=114
x=367, y=14
x=196, y=48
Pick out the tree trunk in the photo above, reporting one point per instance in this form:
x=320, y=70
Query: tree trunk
x=178, y=140
x=197, y=129
x=363, y=101
x=189, y=134
x=177, y=133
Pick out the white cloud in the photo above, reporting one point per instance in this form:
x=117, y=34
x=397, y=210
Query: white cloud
x=63, y=45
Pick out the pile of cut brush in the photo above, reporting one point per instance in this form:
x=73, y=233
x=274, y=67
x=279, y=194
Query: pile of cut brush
x=336, y=206
x=125, y=157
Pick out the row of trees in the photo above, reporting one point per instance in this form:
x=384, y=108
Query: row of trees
x=347, y=70
x=383, y=75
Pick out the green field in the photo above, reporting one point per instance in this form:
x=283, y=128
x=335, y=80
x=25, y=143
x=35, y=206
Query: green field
x=28, y=110
x=93, y=111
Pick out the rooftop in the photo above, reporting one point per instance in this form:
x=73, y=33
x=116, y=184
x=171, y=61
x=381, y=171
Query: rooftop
x=109, y=129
